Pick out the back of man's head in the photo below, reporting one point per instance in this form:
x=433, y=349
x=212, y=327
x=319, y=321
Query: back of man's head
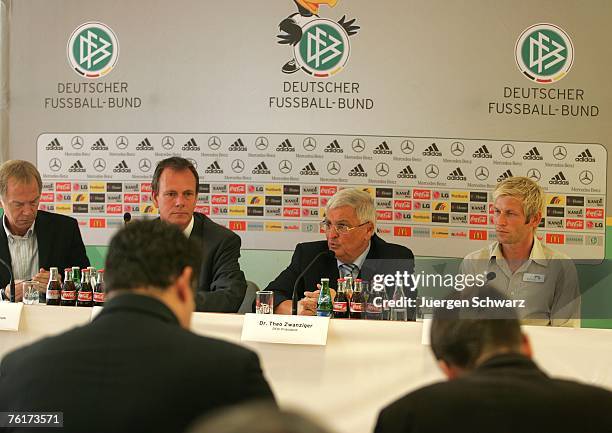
x=149, y=255
x=465, y=337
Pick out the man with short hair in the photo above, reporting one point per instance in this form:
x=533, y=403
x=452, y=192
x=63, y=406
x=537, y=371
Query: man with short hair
x=493, y=385
x=136, y=367
x=222, y=284
x=349, y=225
x=31, y=240
x=521, y=266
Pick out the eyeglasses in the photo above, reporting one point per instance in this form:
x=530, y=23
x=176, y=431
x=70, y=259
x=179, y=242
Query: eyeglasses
x=341, y=229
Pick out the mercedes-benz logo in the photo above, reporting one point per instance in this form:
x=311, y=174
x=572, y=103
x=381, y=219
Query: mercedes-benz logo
x=586, y=177
x=309, y=144
x=261, y=143
x=559, y=152
x=481, y=173
x=432, y=171
x=507, y=150
x=457, y=148
x=55, y=164
x=122, y=142
x=214, y=142
x=99, y=164
x=285, y=166
x=333, y=167
x=144, y=165
x=77, y=142
x=358, y=145
x=407, y=147
x=382, y=169
x=237, y=166
x=193, y=162
x=167, y=142
x=534, y=174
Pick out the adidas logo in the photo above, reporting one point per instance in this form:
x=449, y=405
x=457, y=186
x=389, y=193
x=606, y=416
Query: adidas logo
x=144, y=145
x=309, y=170
x=382, y=149
x=456, y=174
x=432, y=151
x=533, y=155
x=54, y=145
x=505, y=175
x=77, y=167
x=191, y=145
x=122, y=167
x=238, y=146
x=285, y=146
x=333, y=147
x=585, y=156
x=358, y=171
x=214, y=168
x=559, y=179
x=261, y=168
x=406, y=173
x=482, y=152
x=99, y=145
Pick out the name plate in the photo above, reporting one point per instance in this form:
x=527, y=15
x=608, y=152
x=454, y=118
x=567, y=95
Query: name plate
x=283, y=329
x=95, y=311
x=426, y=332
x=10, y=315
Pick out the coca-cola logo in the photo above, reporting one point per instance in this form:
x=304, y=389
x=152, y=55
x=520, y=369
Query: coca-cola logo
x=237, y=188
x=63, y=186
x=384, y=215
x=574, y=224
x=595, y=213
x=356, y=307
x=131, y=198
x=203, y=209
x=402, y=205
x=68, y=295
x=478, y=219
x=46, y=197
x=85, y=296
x=219, y=199
x=113, y=208
x=310, y=201
x=421, y=194
x=328, y=190
x=145, y=187
x=291, y=212
x=340, y=307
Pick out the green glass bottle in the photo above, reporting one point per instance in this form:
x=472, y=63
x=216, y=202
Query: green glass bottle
x=325, y=306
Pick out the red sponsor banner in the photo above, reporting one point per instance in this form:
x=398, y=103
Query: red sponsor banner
x=402, y=231
x=146, y=187
x=219, y=199
x=421, y=194
x=203, y=209
x=237, y=188
x=131, y=198
x=63, y=186
x=491, y=208
x=114, y=208
x=478, y=235
x=384, y=215
x=402, y=205
x=327, y=190
x=291, y=212
x=97, y=223
x=574, y=224
x=310, y=201
x=594, y=213
x=555, y=238
x=383, y=231
x=239, y=226
x=478, y=219
x=324, y=201
x=47, y=197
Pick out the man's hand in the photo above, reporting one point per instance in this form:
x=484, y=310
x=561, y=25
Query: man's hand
x=308, y=305
x=42, y=278
x=18, y=291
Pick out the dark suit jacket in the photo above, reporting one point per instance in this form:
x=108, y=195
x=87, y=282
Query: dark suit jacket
x=133, y=369
x=506, y=394
x=59, y=244
x=383, y=257
x=222, y=285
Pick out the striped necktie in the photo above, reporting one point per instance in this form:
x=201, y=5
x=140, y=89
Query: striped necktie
x=349, y=269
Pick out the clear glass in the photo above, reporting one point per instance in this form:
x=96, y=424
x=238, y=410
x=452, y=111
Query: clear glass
x=399, y=313
x=30, y=292
x=264, y=302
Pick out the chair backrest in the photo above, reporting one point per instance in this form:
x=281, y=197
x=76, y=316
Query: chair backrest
x=249, y=298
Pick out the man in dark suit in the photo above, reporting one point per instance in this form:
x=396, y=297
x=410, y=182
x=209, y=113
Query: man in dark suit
x=494, y=385
x=136, y=367
x=222, y=284
x=32, y=241
x=352, y=248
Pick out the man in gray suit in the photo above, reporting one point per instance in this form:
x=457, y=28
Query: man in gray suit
x=222, y=285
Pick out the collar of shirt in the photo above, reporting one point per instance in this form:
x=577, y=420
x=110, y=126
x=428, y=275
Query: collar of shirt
x=537, y=252
x=11, y=236
x=359, y=260
x=189, y=228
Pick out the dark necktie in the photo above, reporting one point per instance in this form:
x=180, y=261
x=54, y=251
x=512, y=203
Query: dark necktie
x=349, y=269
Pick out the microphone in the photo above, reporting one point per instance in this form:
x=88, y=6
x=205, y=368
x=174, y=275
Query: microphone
x=491, y=276
x=127, y=217
x=12, y=280
x=294, y=296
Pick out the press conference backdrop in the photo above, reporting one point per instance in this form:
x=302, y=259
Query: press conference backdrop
x=426, y=104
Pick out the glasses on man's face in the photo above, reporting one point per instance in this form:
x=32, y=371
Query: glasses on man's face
x=341, y=229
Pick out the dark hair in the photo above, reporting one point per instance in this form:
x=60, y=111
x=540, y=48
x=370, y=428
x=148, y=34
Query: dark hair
x=175, y=163
x=462, y=335
x=149, y=254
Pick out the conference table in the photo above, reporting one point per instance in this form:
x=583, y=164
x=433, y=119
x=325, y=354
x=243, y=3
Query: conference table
x=364, y=366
